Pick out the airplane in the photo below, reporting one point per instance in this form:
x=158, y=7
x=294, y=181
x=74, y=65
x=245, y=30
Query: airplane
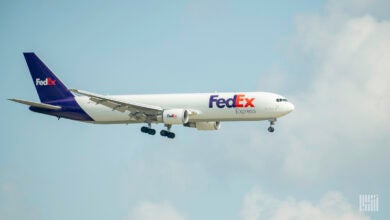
x=203, y=111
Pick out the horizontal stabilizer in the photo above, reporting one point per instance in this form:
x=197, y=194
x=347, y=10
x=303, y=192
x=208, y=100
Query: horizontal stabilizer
x=36, y=104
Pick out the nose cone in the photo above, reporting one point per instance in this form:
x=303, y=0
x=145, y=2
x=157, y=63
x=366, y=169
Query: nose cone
x=286, y=108
x=290, y=107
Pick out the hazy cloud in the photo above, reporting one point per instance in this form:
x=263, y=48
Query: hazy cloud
x=343, y=98
x=151, y=211
x=346, y=105
x=377, y=8
x=258, y=205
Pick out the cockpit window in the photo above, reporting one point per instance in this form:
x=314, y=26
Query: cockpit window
x=281, y=100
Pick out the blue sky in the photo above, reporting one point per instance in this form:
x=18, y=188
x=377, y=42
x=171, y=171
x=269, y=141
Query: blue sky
x=322, y=55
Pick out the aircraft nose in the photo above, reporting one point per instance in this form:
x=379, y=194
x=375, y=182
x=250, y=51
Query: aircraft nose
x=286, y=108
x=290, y=107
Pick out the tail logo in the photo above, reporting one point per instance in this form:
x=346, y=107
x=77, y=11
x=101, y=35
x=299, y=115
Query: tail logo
x=45, y=82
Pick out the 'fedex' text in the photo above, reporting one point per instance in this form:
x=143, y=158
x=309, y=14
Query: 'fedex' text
x=45, y=82
x=237, y=101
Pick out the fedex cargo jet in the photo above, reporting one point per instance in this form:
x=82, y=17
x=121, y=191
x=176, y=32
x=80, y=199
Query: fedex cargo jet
x=203, y=111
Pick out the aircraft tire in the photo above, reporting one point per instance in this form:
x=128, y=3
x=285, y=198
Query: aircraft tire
x=144, y=129
x=152, y=131
x=171, y=135
x=163, y=133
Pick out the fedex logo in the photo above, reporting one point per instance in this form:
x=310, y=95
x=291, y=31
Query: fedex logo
x=171, y=116
x=237, y=101
x=46, y=82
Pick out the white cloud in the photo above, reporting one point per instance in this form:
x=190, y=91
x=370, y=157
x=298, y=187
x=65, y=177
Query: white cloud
x=378, y=8
x=259, y=205
x=151, y=211
x=342, y=104
x=336, y=133
x=345, y=107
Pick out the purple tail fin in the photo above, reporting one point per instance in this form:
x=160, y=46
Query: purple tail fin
x=48, y=86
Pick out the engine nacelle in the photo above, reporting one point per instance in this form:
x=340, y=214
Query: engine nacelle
x=208, y=126
x=175, y=116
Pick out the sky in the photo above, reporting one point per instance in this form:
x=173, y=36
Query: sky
x=329, y=58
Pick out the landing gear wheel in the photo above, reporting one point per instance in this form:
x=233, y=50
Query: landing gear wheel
x=167, y=134
x=163, y=133
x=144, y=129
x=148, y=130
x=271, y=123
x=171, y=135
x=152, y=131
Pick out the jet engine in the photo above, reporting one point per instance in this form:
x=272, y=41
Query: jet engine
x=175, y=116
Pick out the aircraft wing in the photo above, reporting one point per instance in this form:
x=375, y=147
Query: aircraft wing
x=139, y=111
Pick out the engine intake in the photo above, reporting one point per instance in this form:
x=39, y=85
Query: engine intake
x=175, y=116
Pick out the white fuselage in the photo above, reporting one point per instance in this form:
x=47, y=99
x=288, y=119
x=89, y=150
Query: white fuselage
x=203, y=111
x=248, y=106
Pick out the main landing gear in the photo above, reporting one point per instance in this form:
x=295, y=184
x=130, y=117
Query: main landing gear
x=148, y=130
x=165, y=133
x=271, y=123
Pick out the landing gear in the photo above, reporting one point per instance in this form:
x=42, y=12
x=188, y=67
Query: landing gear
x=271, y=123
x=167, y=133
x=148, y=130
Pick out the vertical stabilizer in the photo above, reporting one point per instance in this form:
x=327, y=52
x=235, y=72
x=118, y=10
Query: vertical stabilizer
x=48, y=86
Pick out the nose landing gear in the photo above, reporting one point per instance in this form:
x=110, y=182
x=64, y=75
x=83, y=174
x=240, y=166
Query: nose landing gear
x=271, y=123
